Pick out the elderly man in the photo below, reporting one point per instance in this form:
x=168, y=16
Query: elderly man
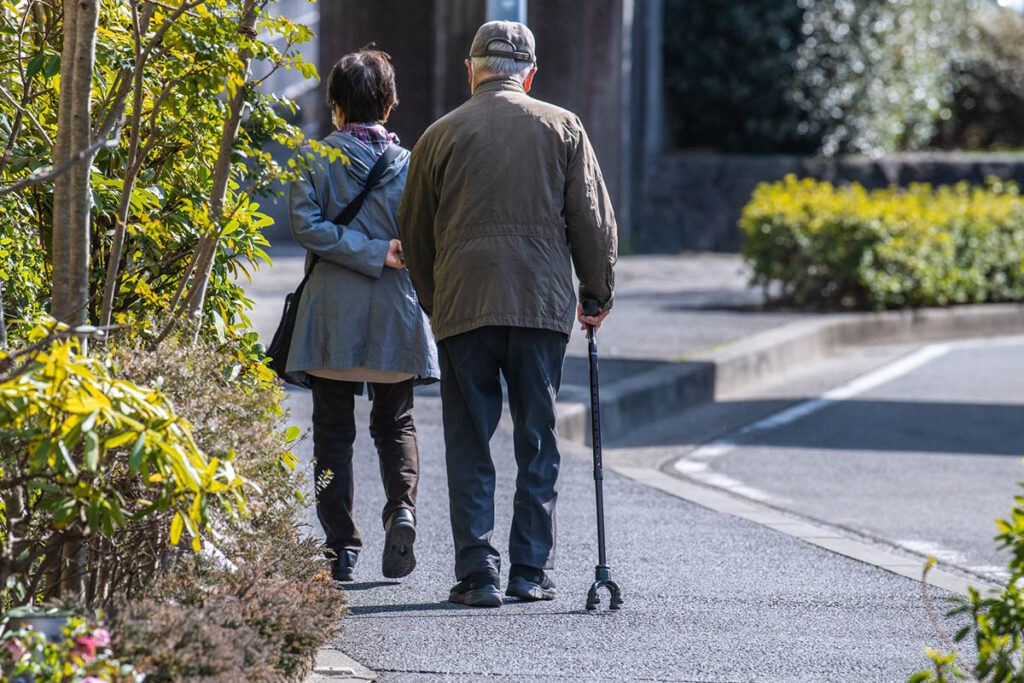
x=504, y=195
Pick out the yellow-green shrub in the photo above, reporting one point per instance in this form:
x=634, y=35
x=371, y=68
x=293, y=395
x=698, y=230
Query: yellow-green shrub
x=831, y=247
x=83, y=454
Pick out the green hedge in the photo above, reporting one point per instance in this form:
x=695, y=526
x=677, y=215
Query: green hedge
x=828, y=247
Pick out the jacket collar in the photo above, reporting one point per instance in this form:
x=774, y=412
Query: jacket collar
x=499, y=83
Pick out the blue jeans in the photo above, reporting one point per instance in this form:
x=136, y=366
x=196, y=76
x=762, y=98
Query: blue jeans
x=531, y=362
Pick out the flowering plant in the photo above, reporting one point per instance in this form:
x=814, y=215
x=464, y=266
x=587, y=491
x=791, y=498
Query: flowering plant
x=81, y=655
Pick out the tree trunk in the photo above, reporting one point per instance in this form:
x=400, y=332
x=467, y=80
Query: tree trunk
x=71, y=208
x=72, y=198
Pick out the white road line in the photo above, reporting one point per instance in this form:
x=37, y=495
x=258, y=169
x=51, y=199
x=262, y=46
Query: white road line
x=860, y=385
x=694, y=464
x=712, y=450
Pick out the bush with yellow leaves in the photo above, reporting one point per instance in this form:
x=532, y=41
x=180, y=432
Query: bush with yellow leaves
x=847, y=247
x=84, y=454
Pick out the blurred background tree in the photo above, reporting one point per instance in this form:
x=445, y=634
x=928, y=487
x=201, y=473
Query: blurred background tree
x=989, y=97
x=875, y=76
x=728, y=67
x=843, y=76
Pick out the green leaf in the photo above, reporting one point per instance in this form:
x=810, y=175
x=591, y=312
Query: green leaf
x=92, y=452
x=42, y=486
x=64, y=511
x=108, y=523
x=92, y=516
x=291, y=434
x=136, y=457
x=35, y=66
x=289, y=460
x=115, y=512
x=219, y=327
x=89, y=422
x=52, y=66
x=42, y=453
x=119, y=440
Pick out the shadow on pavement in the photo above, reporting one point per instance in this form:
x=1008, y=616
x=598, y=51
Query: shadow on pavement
x=408, y=607
x=365, y=585
x=878, y=425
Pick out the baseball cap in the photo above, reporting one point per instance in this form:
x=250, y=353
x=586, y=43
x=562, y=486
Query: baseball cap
x=510, y=33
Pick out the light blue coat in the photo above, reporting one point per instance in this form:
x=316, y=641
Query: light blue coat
x=355, y=312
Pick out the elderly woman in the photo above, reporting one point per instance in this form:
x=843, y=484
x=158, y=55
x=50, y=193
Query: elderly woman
x=359, y=322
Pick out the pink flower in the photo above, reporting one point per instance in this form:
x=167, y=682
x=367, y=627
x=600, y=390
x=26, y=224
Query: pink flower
x=84, y=649
x=92, y=679
x=101, y=636
x=16, y=649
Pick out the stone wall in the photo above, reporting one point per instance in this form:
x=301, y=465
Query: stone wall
x=692, y=201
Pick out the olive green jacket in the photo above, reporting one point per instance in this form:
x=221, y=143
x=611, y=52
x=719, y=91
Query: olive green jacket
x=503, y=197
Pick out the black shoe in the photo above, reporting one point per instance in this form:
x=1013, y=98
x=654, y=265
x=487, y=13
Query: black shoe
x=479, y=589
x=400, y=533
x=343, y=564
x=527, y=583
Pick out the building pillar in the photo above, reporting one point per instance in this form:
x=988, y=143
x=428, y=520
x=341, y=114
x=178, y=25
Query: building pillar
x=584, y=65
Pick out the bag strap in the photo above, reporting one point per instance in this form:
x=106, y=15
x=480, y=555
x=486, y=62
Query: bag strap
x=385, y=159
x=350, y=212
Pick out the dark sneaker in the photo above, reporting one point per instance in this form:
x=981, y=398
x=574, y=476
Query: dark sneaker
x=343, y=565
x=529, y=584
x=479, y=589
x=398, y=559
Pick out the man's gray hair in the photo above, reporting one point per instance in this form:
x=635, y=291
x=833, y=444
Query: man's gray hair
x=501, y=66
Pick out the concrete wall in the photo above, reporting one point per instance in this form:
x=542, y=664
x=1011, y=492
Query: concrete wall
x=693, y=201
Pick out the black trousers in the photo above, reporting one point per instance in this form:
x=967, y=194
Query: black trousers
x=531, y=362
x=334, y=432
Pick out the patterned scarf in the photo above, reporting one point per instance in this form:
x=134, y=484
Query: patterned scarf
x=373, y=135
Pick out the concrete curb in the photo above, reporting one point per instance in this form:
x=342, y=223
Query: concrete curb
x=335, y=665
x=671, y=387
x=817, y=534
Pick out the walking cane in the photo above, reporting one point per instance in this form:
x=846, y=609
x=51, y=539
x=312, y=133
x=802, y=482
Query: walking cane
x=602, y=574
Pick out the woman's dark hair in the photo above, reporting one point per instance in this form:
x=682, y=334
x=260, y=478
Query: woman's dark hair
x=362, y=85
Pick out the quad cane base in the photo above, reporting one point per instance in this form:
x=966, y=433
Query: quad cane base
x=604, y=580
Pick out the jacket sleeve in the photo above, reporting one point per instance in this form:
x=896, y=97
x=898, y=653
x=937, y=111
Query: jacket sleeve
x=416, y=226
x=590, y=221
x=339, y=244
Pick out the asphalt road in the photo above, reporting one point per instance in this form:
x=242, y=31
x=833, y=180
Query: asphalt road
x=922, y=450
